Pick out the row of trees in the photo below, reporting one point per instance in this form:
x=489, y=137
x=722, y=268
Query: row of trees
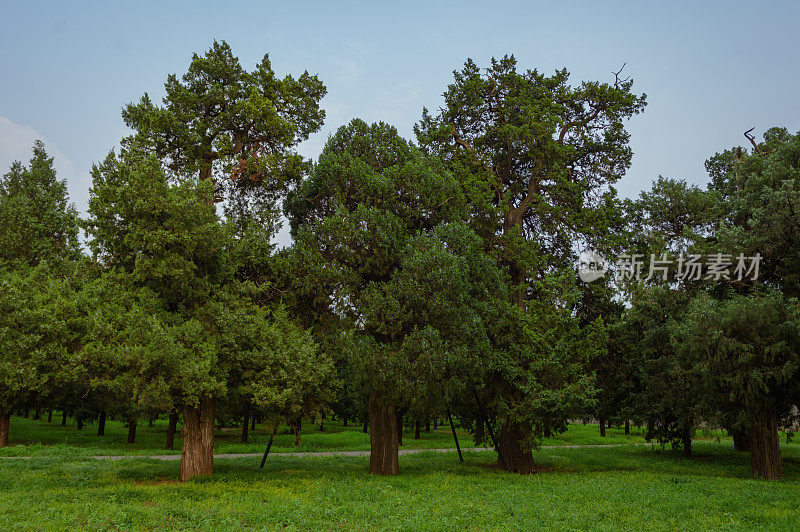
x=424, y=277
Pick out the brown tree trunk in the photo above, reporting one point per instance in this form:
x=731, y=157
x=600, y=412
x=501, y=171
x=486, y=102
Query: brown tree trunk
x=399, y=427
x=344, y=421
x=50, y=416
x=515, y=448
x=740, y=441
x=172, y=425
x=253, y=422
x=101, y=423
x=37, y=414
x=366, y=427
x=627, y=427
x=603, y=427
x=197, y=456
x=687, y=442
x=765, y=452
x=5, y=422
x=480, y=435
x=246, y=420
x=383, y=442
x=132, y=430
x=427, y=423
x=297, y=430
x=80, y=423
x=417, y=428
x=64, y=418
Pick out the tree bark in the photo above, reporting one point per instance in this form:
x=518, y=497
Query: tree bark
x=101, y=423
x=64, y=418
x=80, y=423
x=197, y=455
x=515, y=447
x=132, y=430
x=383, y=440
x=50, y=416
x=740, y=441
x=344, y=421
x=366, y=427
x=765, y=452
x=417, y=428
x=252, y=422
x=171, y=427
x=246, y=420
x=37, y=414
x=399, y=427
x=687, y=441
x=480, y=434
x=297, y=430
x=5, y=422
x=651, y=428
x=627, y=427
x=602, y=427
x=427, y=423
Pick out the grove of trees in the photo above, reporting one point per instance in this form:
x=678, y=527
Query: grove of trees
x=426, y=277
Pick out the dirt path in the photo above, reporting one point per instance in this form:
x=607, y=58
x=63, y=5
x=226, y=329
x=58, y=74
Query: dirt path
x=175, y=457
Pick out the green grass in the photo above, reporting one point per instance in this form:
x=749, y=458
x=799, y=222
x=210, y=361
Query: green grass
x=628, y=487
x=39, y=438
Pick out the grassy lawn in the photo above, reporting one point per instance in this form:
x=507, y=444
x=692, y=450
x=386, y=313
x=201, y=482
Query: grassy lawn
x=629, y=487
x=39, y=438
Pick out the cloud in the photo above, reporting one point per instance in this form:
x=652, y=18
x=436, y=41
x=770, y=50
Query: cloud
x=16, y=142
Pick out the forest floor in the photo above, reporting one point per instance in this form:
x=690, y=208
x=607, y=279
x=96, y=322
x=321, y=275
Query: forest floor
x=588, y=487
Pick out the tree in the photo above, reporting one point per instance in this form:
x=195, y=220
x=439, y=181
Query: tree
x=171, y=321
x=39, y=224
x=236, y=128
x=751, y=349
x=537, y=158
x=377, y=223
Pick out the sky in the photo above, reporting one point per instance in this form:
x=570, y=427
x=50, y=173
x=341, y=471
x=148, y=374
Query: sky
x=711, y=70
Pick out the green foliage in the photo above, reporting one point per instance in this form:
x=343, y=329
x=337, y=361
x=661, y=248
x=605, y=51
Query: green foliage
x=39, y=224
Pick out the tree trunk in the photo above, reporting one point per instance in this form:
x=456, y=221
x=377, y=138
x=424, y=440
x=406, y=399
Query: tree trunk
x=515, y=448
x=417, y=428
x=64, y=418
x=427, y=423
x=37, y=414
x=480, y=435
x=80, y=423
x=366, y=427
x=651, y=428
x=602, y=427
x=687, y=441
x=399, y=427
x=627, y=427
x=197, y=455
x=435, y=422
x=344, y=421
x=150, y=420
x=297, y=430
x=50, y=416
x=383, y=442
x=740, y=441
x=252, y=422
x=5, y=422
x=132, y=430
x=765, y=452
x=171, y=427
x=101, y=423
x=246, y=420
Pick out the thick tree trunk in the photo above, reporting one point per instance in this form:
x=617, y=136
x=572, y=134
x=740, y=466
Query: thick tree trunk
x=197, y=456
x=101, y=423
x=740, y=441
x=172, y=425
x=383, y=442
x=5, y=423
x=765, y=452
x=417, y=428
x=627, y=427
x=687, y=442
x=245, y=420
x=603, y=427
x=515, y=448
x=132, y=430
x=50, y=416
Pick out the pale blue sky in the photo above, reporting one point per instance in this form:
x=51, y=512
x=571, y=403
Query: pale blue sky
x=711, y=70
